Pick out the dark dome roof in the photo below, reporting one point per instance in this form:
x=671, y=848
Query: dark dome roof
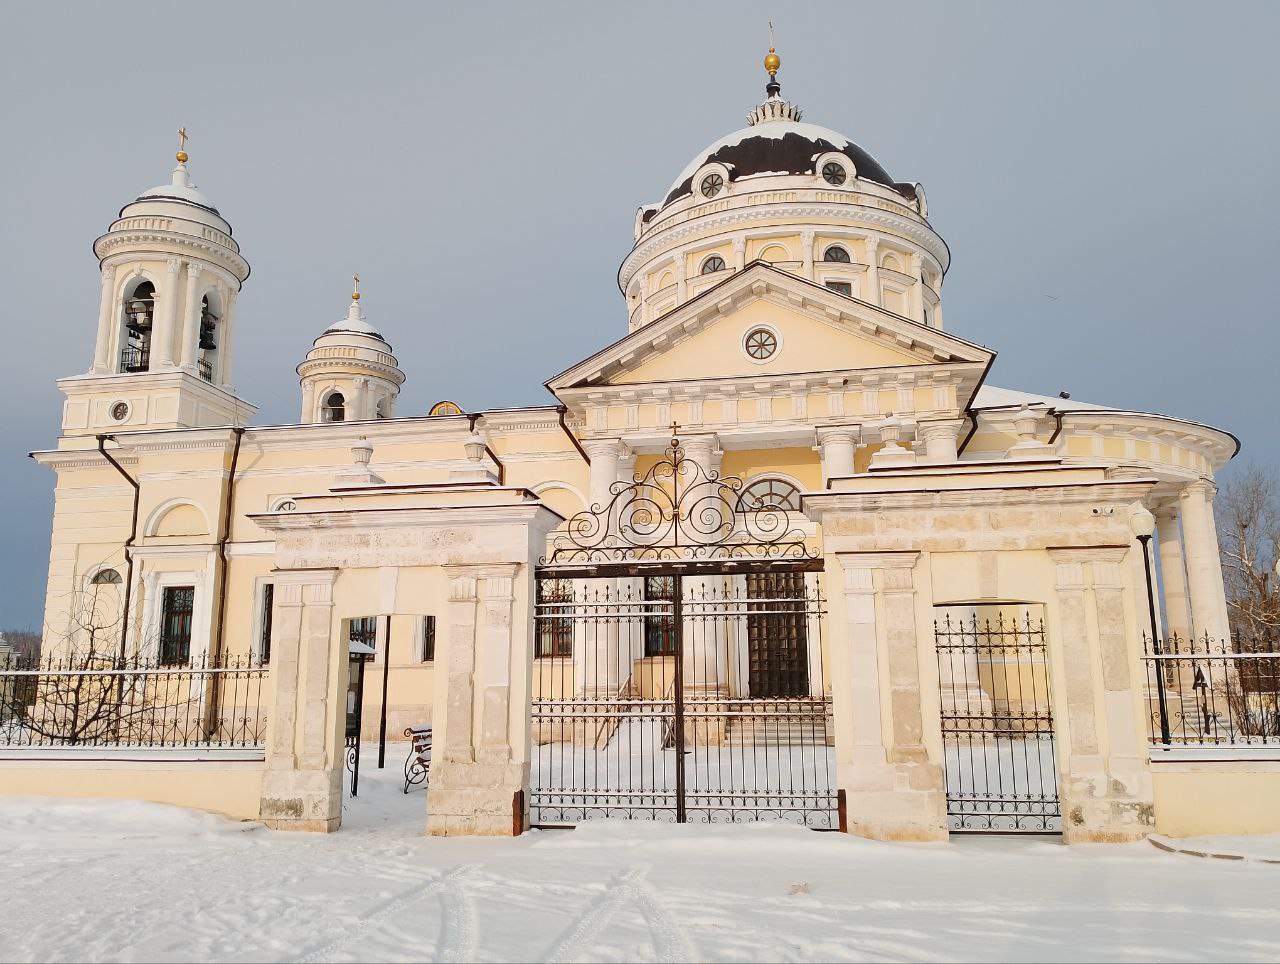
x=780, y=147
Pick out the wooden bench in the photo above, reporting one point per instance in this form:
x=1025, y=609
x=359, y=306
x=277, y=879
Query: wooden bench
x=417, y=767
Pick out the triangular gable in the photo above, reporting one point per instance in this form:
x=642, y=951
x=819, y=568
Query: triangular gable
x=819, y=330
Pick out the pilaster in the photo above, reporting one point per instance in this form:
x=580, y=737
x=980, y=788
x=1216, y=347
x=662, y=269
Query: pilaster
x=106, y=322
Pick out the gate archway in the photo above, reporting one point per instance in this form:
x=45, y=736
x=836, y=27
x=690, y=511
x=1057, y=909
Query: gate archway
x=678, y=670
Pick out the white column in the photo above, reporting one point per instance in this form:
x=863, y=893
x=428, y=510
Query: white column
x=360, y=403
x=108, y=320
x=682, y=278
x=872, y=294
x=1173, y=573
x=164, y=327
x=739, y=253
x=308, y=403
x=191, y=318
x=604, y=455
x=941, y=439
x=917, y=289
x=806, y=254
x=223, y=375
x=837, y=447
x=1204, y=567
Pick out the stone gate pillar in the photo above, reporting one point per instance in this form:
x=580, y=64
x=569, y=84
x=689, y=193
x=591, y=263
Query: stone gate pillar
x=893, y=791
x=1106, y=792
x=481, y=772
x=302, y=784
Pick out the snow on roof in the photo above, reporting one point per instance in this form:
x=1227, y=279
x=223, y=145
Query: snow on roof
x=989, y=396
x=179, y=188
x=774, y=130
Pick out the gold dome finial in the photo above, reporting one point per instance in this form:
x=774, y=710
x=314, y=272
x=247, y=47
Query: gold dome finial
x=772, y=61
x=182, y=143
x=355, y=287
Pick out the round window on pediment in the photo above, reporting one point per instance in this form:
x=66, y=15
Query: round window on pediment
x=760, y=343
x=712, y=184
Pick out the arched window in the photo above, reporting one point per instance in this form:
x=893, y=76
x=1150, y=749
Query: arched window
x=335, y=408
x=381, y=410
x=767, y=494
x=713, y=264
x=139, y=314
x=106, y=577
x=836, y=254
x=208, y=342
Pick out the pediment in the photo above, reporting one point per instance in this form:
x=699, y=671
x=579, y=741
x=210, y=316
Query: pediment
x=817, y=330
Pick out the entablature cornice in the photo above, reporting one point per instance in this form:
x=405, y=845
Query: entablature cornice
x=657, y=243
x=1111, y=492
x=1214, y=444
x=163, y=244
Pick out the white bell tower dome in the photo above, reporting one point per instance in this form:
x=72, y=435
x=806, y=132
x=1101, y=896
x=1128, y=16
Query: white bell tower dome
x=171, y=273
x=350, y=374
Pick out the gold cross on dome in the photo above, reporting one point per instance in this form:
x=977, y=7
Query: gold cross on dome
x=355, y=287
x=182, y=138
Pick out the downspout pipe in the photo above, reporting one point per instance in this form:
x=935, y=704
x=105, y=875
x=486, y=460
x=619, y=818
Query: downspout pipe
x=564, y=410
x=223, y=537
x=128, y=543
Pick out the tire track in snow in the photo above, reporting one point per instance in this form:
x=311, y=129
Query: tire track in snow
x=670, y=940
x=344, y=936
x=458, y=927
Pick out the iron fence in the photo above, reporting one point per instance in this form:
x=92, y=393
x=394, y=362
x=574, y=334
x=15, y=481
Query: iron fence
x=78, y=701
x=1203, y=692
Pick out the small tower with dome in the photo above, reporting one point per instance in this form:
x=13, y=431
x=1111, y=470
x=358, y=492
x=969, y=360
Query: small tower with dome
x=171, y=273
x=350, y=374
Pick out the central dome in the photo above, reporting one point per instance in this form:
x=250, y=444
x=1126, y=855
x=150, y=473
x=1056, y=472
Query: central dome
x=777, y=147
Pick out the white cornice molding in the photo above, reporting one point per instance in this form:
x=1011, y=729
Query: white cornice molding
x=657, y=244
x=1107, y=491
x=142, y=239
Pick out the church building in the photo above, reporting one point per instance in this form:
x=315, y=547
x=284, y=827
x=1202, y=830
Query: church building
x=781, y=550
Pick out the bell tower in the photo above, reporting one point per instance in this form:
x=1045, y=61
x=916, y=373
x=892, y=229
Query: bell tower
x=350, y=374
x=171, y=273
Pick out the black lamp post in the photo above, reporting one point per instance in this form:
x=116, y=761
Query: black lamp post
x=1143, y=524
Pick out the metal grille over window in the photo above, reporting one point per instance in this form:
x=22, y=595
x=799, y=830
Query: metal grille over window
x=264, y=639
x=428, y=639
x=770, y=495
x=833, y=173
x=711, y=184
x=363, y=630
x=997, y=724
x=836, y=255
x=175, y=624
x=713, y=264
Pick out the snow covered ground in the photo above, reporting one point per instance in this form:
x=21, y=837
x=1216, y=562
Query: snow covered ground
x=102, y=880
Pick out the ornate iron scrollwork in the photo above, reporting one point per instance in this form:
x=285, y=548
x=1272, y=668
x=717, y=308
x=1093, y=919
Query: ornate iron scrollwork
x=678, y=511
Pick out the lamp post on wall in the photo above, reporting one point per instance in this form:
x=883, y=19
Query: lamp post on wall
x=1143, y=524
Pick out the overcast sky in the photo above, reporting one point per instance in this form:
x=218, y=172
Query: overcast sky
x=1104, y=173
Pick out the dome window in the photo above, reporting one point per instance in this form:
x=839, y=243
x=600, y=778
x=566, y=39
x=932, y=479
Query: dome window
x=713, y=264
x=833, y=173
x=836, y=255
x=335, y=408
x=760, y=344
x=712, y=184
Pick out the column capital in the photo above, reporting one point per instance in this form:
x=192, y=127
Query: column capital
x=108, y=275
x=602, y=447
x=840, y=433
x=462, y=583
x=1201, y=488
x=927, y=429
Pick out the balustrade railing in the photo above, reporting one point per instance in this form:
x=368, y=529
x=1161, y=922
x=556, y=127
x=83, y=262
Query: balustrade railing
x=1206, y=693
x=96, y=701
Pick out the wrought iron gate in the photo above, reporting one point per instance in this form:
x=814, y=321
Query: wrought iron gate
x=678, y=661
x=997, y=725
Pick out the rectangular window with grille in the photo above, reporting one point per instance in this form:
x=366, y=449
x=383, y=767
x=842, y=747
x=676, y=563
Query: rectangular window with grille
x=264, y=634
x=177, y=604
x=841, y=288
x=363, y=630
x=428, y=639
x=555, y=619
x=659, y=627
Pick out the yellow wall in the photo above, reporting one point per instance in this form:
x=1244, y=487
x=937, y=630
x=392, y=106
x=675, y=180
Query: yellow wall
x=1193, y=799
